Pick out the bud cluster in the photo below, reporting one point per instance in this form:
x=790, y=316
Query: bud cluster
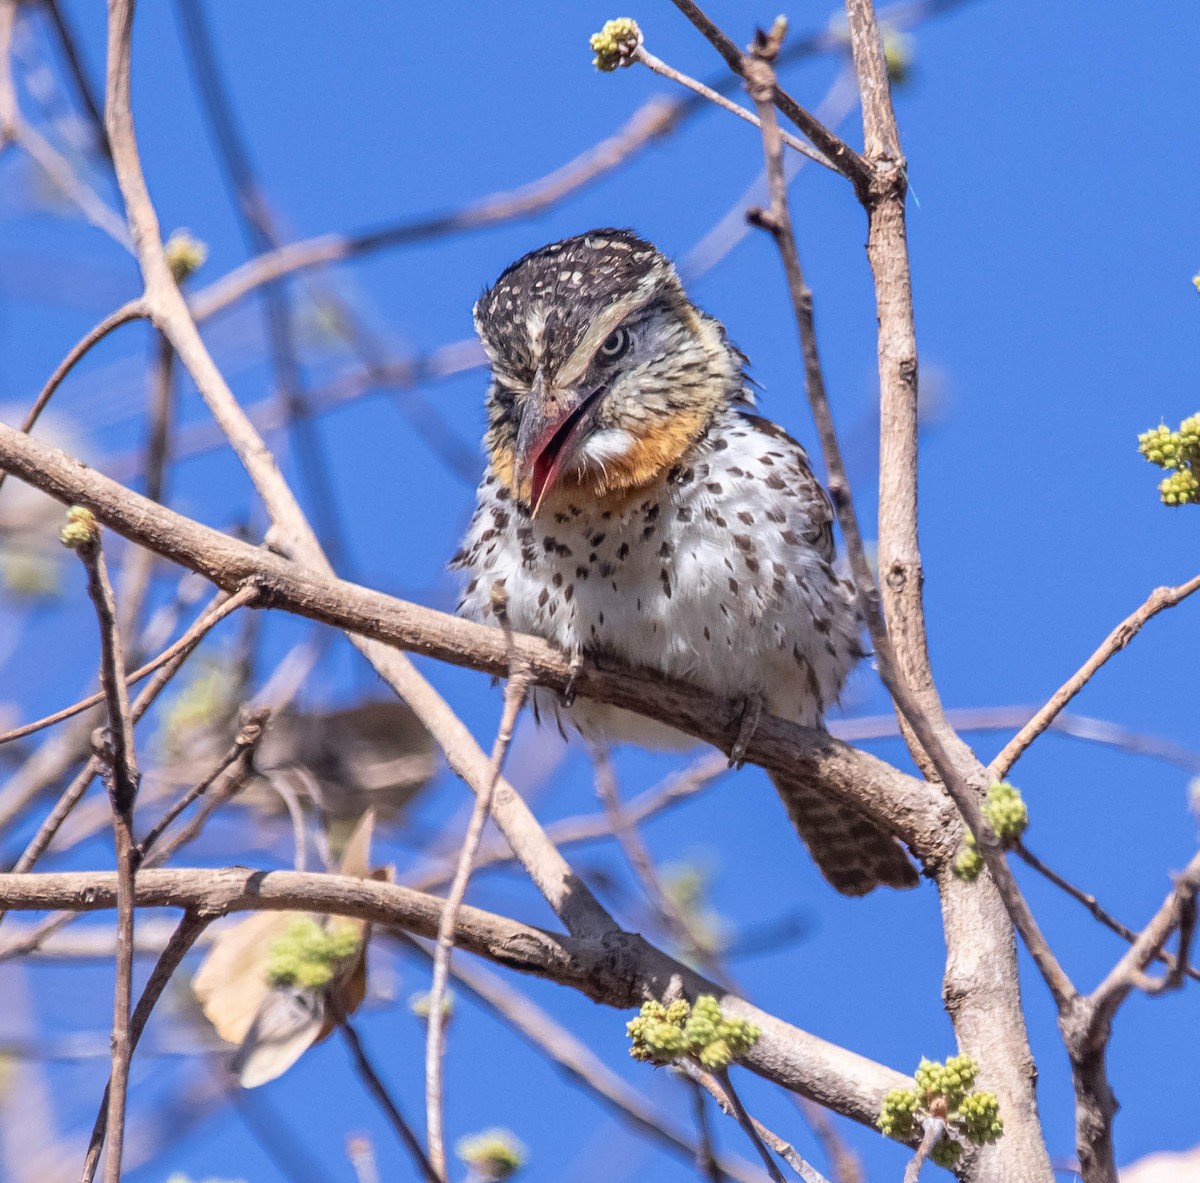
x=81, y=528
x=616, y=44
x=700, y=1031
x=308, y=955
x=1179, y=453
x=943, y=1090
x=492, y=1155
x=1007, y=814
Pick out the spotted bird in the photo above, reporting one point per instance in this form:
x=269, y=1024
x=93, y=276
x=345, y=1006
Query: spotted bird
x=634, y=506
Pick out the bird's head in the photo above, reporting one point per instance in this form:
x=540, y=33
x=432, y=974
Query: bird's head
x=603, y=372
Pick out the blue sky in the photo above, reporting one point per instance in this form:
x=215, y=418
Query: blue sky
x=1053, y=235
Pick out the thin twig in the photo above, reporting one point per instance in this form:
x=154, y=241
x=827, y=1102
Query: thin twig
x=249, y=735
x=706, y=1159
x=840, y=155
x=676, y=788
x=1177, y=912
x=661, y=68
x=122, y=778
x=224, y=605
x=760, y=74
x=514, y=699
x=934, y=1129
x=75, y=66
x=749, y=1125
x=731, y=1104
x=134, y=310
x=379, y=1091
x=191, y=925
x=1159, y=600
x=624, y=830
x=1090, y=902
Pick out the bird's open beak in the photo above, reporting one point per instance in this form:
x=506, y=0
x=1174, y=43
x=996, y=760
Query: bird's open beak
x=554, y=423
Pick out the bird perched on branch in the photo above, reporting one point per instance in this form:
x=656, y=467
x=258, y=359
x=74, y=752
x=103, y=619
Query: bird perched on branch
x=634, y=507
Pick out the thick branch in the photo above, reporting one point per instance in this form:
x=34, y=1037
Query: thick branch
x=914, y=811
x=618, y=969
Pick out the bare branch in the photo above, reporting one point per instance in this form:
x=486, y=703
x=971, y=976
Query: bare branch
x=1160, y=599
x=190, y=927
x=514, y=699
x=843, y=158
x=618, y=969
x=122, y=778
x=134, y=310
x=1178, y=912
x=721, y=1090
x=379, y=1091
x=249, y=735
x=913, y=810
x=1092, y=904
x=181, y=648
x=659, y=67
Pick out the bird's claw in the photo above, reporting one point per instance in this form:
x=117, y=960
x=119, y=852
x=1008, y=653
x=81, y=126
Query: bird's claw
x=573, y=672
x=751, y=713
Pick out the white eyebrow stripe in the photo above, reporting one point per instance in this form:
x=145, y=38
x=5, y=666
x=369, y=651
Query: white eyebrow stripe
x=581, y=356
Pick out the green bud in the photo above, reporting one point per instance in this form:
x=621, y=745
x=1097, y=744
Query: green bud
x=492, y=1155
x=616, y=44
x=185, y=254
x=979, y=1116
x=1180, y=488
x=946, y=1152
x=968, y=862
x=896, y=1119
x=898, y=53
x=1006, y=813
x=419, y=1005
x=81, y=528
x=308, y=956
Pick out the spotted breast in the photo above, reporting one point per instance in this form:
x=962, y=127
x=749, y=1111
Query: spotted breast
x=634, y=507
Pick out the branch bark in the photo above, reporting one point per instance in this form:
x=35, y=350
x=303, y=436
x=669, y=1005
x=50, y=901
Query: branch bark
x=618, y=969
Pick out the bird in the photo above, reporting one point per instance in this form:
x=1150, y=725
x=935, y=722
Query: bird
x=634, y=508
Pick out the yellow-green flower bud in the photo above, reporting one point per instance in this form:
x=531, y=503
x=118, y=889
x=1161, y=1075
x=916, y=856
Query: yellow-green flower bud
x=185, y=254
x=616, y=44
x=419, y=1004
x=946, y=1152
x=81, y=528
x=896, y=1119
x=968, y=862
x=898, y=53
x=1006, y=813
x=1180, y=488
x=979, y=1116
x=308, y=956
x=492, y=1155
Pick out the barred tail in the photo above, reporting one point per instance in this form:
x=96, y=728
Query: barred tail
x=853, y=853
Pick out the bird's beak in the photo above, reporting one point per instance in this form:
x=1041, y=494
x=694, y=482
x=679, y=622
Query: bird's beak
x=551, y=428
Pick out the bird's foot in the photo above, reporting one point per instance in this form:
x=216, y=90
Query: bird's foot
x=751, y=714
x=573, y=672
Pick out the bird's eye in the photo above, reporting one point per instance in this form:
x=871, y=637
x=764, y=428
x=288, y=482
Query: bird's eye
x=616, y=345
